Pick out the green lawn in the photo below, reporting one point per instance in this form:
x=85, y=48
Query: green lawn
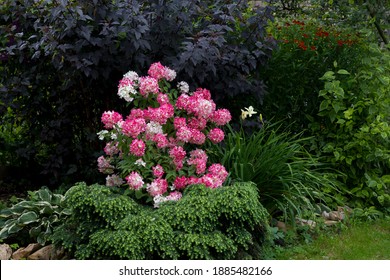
x=360, y=241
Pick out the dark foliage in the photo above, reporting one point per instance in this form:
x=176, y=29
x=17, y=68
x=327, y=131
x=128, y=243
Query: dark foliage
x=61, y=61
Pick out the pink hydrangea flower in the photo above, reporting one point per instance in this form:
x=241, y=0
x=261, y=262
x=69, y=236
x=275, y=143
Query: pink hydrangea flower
x=110, y=118
x=200, y=107
x=133, y=127
x=211, y=181
x=158, y=71
x=104, y=165
x=177, y=154
x=179, y=122
x=174, y=196
x=182, y=101
x=162, y=99
x=157, y=187
x=184, y=134
x=158, y=171
x=216, y=135
x=198, y=137
x=167, y=111
x=197, y=123
x=202, y=93
x=148, y=85
x=160, y=140
x=221, y=117
x=135, y=180
x=219, y=171
x=160, y=114
x=111, y=148
x=198, y=158
x=192, y=180
x=180, y=182
x=136, y=114
x=114, y=180
x=137, y=147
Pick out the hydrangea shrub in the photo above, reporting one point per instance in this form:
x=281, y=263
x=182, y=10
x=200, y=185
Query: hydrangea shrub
x=157, y=149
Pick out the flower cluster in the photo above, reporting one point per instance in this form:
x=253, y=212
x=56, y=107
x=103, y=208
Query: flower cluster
x=311, y=36
x=157, y=148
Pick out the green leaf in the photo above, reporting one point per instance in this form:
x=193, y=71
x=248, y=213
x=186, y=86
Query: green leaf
x=372, y=183
x=5, y=213
x=47, y=210
x=14, y=228
x=328, y=76
x=44, y=194
x=324, y=105
x=336, y=106
x=28, y=218
x=365, y=193
x=139, y=194
x=35, y=231
x=4, y=233
x=66, y=211
x=340, y=121
x=343, y=72
x=339, y=92
x=386, y=178
x=56, y=199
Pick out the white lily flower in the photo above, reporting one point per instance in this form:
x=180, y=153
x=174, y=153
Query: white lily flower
x=250, y=111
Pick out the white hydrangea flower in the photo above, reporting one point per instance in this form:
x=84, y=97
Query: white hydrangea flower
x=140, y=162
x=170, y=74
x=124, y=92
x=131, y=75
x=154, y=128
x=158, y=199
x=114, y=136
x=102, y=134
x=184, y=87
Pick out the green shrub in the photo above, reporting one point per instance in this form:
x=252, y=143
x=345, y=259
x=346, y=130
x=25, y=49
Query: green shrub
x=33, y=219
x=223, y=223
x=289, y=180
x=353, y=131
x=306, y=50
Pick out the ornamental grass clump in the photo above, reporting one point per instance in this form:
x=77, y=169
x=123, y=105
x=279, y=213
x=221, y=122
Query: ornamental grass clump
x=156, y=150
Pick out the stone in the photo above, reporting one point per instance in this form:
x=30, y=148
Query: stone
x=325, y=215
x=42, y=254
x=49, y=252
x=310, y=223
x=57, y=253
x=336, y=215
x=5, y=252
x=23, y=253
x=331, y=223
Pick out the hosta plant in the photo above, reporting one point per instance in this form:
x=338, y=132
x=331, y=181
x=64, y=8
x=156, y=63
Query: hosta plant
x=33, y=219
x=157, y=150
